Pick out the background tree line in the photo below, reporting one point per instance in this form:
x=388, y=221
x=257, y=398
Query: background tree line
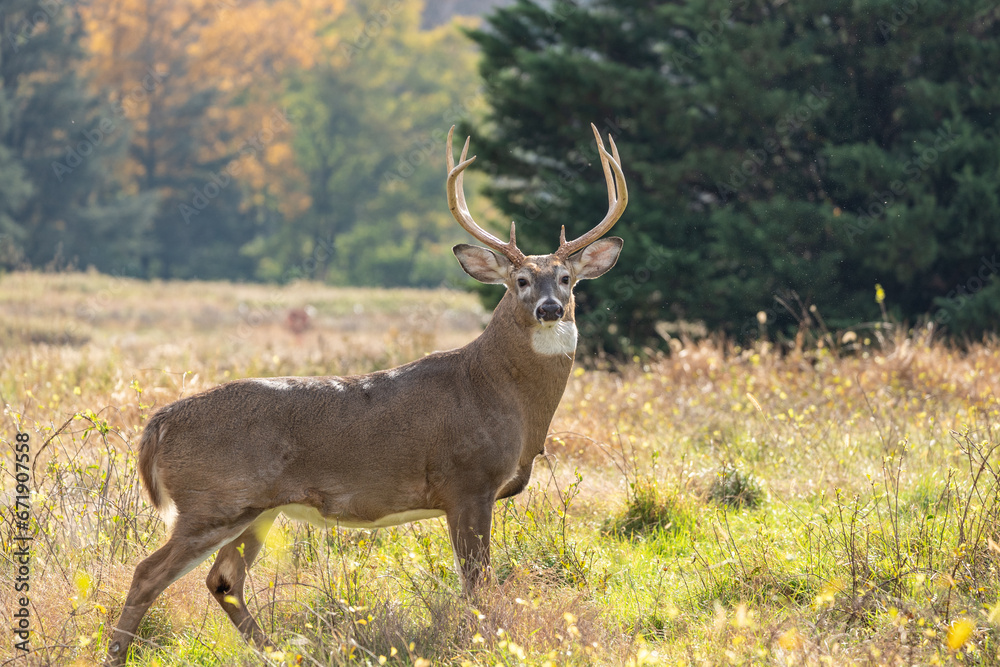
x=781, y=157
x=251, y=140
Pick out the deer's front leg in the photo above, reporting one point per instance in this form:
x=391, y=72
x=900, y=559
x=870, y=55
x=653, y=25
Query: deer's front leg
x=469, y=526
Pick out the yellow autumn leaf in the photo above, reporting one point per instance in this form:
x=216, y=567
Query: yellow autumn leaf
x=790, y=640
x=83, y=584
x=959, y=633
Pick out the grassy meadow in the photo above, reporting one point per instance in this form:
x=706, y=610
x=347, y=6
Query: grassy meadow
x=834, y=504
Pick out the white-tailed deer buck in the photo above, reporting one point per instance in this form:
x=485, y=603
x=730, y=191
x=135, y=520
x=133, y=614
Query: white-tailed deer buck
x=446, y=435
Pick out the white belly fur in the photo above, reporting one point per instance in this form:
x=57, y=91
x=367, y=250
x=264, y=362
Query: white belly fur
x=312, y=515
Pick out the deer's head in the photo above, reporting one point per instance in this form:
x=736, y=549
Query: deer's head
x=541, y=284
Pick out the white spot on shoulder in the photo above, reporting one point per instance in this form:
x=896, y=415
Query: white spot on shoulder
x=275, y=383
x=294, y=383
x=560, y=339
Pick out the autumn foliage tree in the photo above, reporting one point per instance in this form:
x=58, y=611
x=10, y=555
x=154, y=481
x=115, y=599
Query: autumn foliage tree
x=197, y=82
x=286, y=139
x=366, y=202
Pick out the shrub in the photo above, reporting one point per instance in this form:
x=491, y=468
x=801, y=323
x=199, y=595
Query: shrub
x=647, y=512
x=733, y=487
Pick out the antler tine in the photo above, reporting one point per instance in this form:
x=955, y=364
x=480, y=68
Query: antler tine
x=617, y=199
x=460, y=210
x=460, y=181
x=618, y=161
x=612, y=192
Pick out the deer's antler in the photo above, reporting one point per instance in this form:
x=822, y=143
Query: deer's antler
x=617, y=200
x=459, y=209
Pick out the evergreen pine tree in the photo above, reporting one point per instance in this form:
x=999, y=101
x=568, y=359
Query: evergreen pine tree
x=795, y=153
x=60, y=202
x=14, y=190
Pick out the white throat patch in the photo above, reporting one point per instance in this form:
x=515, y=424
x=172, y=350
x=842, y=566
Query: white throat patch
x=560, y=339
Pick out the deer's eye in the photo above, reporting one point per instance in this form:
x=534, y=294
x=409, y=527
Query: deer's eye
x=565, y=280
x=521, y=282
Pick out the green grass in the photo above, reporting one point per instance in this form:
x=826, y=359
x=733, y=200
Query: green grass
x=715, y=506
x=734, y=487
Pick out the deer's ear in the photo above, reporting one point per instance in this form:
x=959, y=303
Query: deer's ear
x=482, y=264
x=597, y=258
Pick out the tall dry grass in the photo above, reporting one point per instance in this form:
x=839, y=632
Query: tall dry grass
x=871, y=537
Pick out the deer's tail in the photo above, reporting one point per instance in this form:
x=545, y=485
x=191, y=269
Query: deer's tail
x=149, y=445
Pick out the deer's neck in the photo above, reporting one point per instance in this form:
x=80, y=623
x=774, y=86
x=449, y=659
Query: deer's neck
x=516, y=349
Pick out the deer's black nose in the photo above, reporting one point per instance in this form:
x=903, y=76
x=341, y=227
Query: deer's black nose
x=549, y=311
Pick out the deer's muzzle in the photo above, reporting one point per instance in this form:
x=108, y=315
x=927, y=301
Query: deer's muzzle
x=549, y=311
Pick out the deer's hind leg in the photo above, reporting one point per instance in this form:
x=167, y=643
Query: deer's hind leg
x=228, y=574
x=188, y=546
